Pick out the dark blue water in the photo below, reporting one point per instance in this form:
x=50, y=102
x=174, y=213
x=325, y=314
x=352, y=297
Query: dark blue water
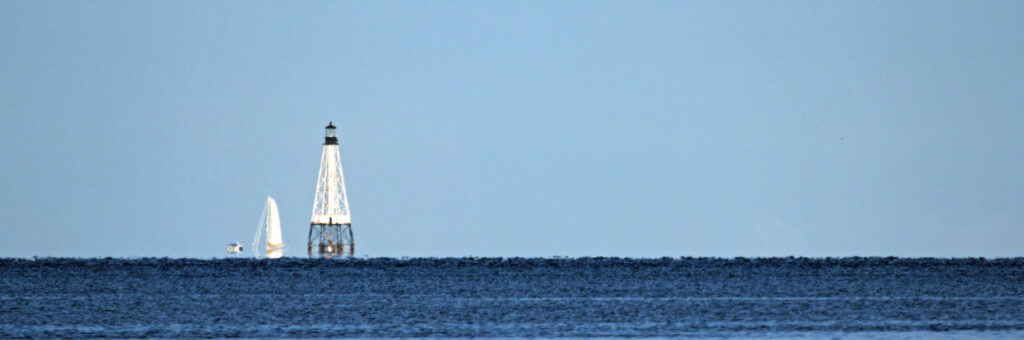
x=473, y=297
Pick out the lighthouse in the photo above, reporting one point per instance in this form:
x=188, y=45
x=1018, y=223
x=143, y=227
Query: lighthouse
x=330, y=229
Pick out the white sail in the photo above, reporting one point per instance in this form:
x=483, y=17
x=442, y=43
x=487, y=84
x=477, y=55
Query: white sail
x=269, y=225
x=275, y=245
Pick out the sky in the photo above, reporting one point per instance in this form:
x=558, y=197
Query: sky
x=516, y=128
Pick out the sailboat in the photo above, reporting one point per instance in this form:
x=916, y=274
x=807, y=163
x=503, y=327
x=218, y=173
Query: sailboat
x=270, y=227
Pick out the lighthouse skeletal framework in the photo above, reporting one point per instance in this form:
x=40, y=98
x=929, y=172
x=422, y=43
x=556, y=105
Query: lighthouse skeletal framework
x=330, y=230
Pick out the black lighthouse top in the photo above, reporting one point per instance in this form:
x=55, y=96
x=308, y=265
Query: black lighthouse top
x=331, y=136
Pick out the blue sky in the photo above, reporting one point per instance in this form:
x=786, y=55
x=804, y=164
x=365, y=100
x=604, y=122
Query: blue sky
x=537, y=128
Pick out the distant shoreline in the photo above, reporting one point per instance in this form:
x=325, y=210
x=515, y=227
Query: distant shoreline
x=585, y=259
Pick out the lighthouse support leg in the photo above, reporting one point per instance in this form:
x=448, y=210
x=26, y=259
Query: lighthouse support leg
x=327, y=240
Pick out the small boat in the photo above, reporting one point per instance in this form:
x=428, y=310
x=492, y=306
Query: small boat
x=269, y=230
x=234, y=248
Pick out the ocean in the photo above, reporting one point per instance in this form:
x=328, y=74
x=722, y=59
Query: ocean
x=856, y=297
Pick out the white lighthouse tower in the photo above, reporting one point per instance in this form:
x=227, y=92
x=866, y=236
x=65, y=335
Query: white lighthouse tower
x=330, y=230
